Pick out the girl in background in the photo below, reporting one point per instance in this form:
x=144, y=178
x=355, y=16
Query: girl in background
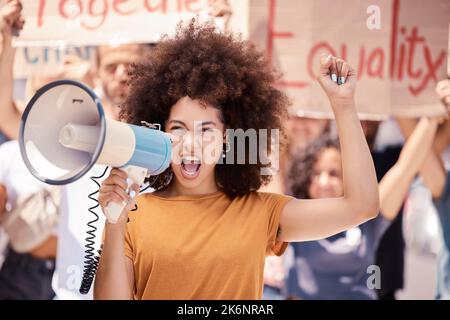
x=342, y=266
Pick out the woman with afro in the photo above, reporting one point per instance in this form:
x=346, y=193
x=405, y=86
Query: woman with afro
x=206, y=230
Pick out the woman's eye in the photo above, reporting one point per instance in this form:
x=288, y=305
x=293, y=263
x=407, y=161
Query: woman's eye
x=110, y=68
x=206, y=129
x=334, y=173
x=177, y=130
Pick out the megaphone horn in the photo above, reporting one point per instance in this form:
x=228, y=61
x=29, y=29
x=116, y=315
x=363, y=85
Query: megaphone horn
x=64, y=132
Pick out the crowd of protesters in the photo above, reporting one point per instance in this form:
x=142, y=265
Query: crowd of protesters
x=311, y=167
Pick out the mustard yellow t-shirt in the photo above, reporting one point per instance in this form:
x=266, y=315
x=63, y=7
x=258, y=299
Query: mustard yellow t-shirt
x=203, y=247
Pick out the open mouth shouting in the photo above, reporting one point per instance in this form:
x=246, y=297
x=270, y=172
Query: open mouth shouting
x=190, y=167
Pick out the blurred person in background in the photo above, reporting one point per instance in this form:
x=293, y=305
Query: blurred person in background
x=338, y=267
x=7, y=14
x=10, y=21
x=28, y=211
x=111, y=77
x=390, y=254
x=31, y=253
x=301, y=132
x=437, y=178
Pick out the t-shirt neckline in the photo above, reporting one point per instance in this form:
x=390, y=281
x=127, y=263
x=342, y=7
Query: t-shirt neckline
x=189, y=197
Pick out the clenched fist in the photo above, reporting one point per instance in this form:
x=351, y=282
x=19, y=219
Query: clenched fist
x=337, y=78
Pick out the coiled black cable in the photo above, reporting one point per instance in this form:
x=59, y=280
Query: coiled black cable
x=91, y=260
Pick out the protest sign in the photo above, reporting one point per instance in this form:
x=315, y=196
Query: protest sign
x=398, y=48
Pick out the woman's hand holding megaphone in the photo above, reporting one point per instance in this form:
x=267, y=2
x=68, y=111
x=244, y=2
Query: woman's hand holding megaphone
x=114, y=189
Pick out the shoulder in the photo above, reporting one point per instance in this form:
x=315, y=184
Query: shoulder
x=144, y=199
x=271, y=196
x=267, y=199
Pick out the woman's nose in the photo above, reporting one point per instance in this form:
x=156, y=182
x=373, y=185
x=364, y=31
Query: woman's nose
x=121, y=72
x=191, y=142
x=324, y=178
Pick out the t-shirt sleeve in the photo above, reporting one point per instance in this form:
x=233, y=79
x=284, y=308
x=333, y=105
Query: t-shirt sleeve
x=274, y=203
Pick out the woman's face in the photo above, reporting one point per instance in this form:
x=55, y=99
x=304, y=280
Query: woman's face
x=326, y=180
x=200, y=136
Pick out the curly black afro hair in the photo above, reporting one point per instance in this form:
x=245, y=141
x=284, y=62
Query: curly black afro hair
x=302, y=166
x=218, y=69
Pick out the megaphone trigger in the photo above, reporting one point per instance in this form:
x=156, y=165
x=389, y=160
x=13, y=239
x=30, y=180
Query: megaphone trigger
x=136, y=175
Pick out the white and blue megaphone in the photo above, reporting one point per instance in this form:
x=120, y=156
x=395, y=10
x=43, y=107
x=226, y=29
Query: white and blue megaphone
x=64, y=132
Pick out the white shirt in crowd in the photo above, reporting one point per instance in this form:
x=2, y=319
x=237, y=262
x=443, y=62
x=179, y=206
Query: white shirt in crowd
x=17, y=179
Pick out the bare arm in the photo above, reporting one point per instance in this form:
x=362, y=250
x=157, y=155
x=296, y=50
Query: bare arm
x=115, y=275
x=319, y=218
x=432, y=170
x=395, y=184
x=9, y=116
x=442, y=140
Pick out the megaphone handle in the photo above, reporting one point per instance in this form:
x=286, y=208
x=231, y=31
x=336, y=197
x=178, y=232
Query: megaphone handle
x=136, y=175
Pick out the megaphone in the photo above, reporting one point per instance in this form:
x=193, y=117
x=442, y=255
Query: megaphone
x=64, y=132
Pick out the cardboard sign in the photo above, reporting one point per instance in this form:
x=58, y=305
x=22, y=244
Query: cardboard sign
x=55, y=29
x=46, y=61
x=448, y=53
x=93, y=22
x=398, y=48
